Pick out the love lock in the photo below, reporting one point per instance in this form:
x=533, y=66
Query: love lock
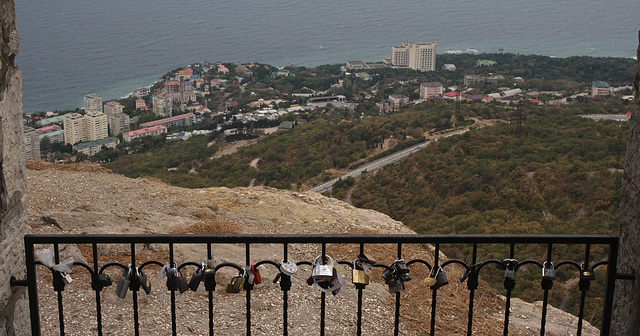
x=236, y=283
x=209, y=276
x=288, y=267
x=510, y=266
x=358, y=276
x=436, y=280
x=586, y=276
x=196, y=278
x=548, y=275
x=322, y=272
x=144, y=281
x=123, y=283
x=402, y=270
x=325, y=277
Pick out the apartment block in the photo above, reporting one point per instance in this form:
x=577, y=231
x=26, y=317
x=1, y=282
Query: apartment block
x=73, y=128
x=149, y=131
x=417, y=56
x=53, y=132
x=96, y=126
x=32, y=143
x=118, y=123
x=92, y=148
x=181, y=120
x=430, y=89
x=112, y=107
x=141, y=92
x=162, y=106
x=92, y=102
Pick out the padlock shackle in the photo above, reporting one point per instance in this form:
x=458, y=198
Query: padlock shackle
x=328, y=257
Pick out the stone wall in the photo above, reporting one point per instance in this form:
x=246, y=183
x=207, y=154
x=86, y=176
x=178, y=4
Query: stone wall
x=13, y=307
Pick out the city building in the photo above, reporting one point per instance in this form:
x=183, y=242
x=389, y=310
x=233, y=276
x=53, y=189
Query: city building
x=118, y=123
x=599, y=88
x=430, y=89
x=53, y=132
x=112, y=107
x=73, y=128
x=141, y=104
x=141, y=92
x=96, y=126
x=417, y=56
x=32, y=143
x=92, y=102
x=92, y=148
x=49, y=121
x=181, y=91
x=181, y=120
x=398, y=100
x=471, y=80
x=162, y=107
x=149, y=131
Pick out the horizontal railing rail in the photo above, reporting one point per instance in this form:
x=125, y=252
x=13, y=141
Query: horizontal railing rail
x=322, y=277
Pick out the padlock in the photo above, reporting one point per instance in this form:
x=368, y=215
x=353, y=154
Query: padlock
x=257, y=278
x=510, y=269
x=236, y=283
x=358, y=275
x=173, y=281
x=471, y=276
x=249, y=277
x=123, y=283
x=209, y=278
x=196, y=278
x=441, y=279
x=431, y=279
x=322, y=272
x=586, y=273
x=144, y=281
x=66, y=278
x=388, y=276
x=183, y=284
x=366, y=263
x=402, y=270
x=548, y=273
x=288, y=267
x=396, y=286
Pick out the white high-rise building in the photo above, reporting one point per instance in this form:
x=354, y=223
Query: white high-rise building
x=417, y=56
x=92, y=102
x=73, y=128
x=112, y=107
x=96, y=126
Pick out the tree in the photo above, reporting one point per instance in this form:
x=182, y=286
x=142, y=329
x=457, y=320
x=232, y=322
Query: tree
x=45, y=144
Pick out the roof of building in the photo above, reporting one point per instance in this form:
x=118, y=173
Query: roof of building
x=145, y=130
x=431, y=84
x=156, y=122
x=47, y=129
x=452, y=93
x=99, y=142
x=398, y=96
x=600, y=84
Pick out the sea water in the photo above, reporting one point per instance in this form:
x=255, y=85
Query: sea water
x=70, y=48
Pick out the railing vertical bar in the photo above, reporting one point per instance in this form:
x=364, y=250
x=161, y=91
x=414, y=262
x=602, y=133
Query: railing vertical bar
x=359, y=325
x=472, y=293
x=174, y=332
x=248, y=290
x=583, y=295
x=434, y=292
x=322, y=294
x=611, y=280
x=545, y=300
x=136, y=322
x=32, y=282
x=94, y=249
x=285, y=298
x=56, y=252
x=508, y=304
x=210, y=256
x=396, y=322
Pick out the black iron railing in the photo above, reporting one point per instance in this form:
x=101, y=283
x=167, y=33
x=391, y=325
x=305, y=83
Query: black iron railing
x=393, y=275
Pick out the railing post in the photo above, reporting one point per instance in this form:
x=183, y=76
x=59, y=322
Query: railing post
x=611, y=281
x=32, y=282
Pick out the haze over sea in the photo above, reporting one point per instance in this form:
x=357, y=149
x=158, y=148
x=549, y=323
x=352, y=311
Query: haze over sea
x=70, y=48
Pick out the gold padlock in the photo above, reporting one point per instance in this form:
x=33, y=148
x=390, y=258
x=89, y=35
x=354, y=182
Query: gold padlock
x=360, y=277
x=236, y=284
x=431, y=279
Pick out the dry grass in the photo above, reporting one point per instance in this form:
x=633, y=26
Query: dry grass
x=209, y=224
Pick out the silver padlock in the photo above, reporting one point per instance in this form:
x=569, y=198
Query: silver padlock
x=288, y=267
x=66, y=278
x=123, y=283
x=510, y=269
x=322, y=272
x=548, y=273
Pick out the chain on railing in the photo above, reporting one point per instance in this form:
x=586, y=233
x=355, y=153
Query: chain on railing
x=324, y=275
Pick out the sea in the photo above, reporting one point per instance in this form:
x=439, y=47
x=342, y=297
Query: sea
x=69, y=48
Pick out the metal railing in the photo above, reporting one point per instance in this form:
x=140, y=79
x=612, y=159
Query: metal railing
x=472, y=269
